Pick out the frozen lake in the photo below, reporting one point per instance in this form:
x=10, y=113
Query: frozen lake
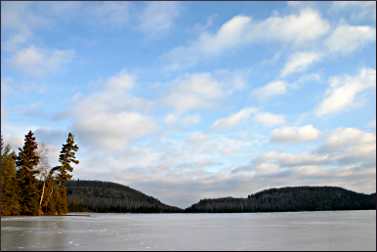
x=342, y=230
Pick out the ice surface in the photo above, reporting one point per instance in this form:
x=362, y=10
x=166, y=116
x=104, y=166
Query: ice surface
x=342, y=230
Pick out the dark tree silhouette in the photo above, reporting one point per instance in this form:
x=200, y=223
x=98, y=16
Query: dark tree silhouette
x=98, y=196
x=27, y=161
x=66, y=158
x=9, y=196
x=304, y=198
x=28, y=185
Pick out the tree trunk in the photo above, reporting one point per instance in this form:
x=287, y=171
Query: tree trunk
x=43, y=192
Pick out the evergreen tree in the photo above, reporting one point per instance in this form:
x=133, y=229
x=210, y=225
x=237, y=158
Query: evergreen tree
x=66, y=158
x=27, y=161
x=9, y=204
x=61, y=200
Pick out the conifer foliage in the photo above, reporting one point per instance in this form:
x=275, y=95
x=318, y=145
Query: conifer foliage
x=9, y=202
x=67, y=156
x=28, y=185
x=27, y=161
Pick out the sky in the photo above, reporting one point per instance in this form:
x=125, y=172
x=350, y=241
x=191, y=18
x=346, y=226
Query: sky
x=192, y=100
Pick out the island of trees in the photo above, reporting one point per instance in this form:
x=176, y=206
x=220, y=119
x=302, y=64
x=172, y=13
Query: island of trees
x=289, y=199
x=28, y=185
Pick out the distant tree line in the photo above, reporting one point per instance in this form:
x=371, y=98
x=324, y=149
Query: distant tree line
x=28, y=185
x=98, y=196
x=289, y=199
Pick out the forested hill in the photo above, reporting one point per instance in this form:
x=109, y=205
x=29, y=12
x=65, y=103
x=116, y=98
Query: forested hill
x=98, y=196
x=286, y=199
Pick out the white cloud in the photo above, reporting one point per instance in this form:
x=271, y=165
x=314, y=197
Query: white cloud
x=295, y=134
x=176, y=119
x=228, y=36
x=212, y=145
x=296, y=29
x=114, y=96
x=356, y=10
x=121, y=82
x=14, y=141
x=269, y=119
x=13, y=134
x=191, y=119
x=344, y=89
x=234, y=119
x=312, y=171
x=19, y=23
x=349, y=136
x=113, y=130
x=304, y=79
x=198, y=137
x=50, y=136
x=351, y=145
x=265, y=118
x=267, y=168
x=346, y=152
x=344, y=39
x=299, y=62
x=158, y=17
x=10, y=87
x=292, y=160
x=38, y=61
x=269, y=90
x=347, y=38
x=301, y=28
x=170, y=119
x=194, y=91
x=110, y=118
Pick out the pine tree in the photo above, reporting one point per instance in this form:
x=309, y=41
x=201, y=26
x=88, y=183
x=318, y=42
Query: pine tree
x=9, y=204
x=66, y=158
x=61, y=202
x=27, y=161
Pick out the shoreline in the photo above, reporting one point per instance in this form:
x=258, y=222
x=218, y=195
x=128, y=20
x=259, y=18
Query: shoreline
x=188, y=213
